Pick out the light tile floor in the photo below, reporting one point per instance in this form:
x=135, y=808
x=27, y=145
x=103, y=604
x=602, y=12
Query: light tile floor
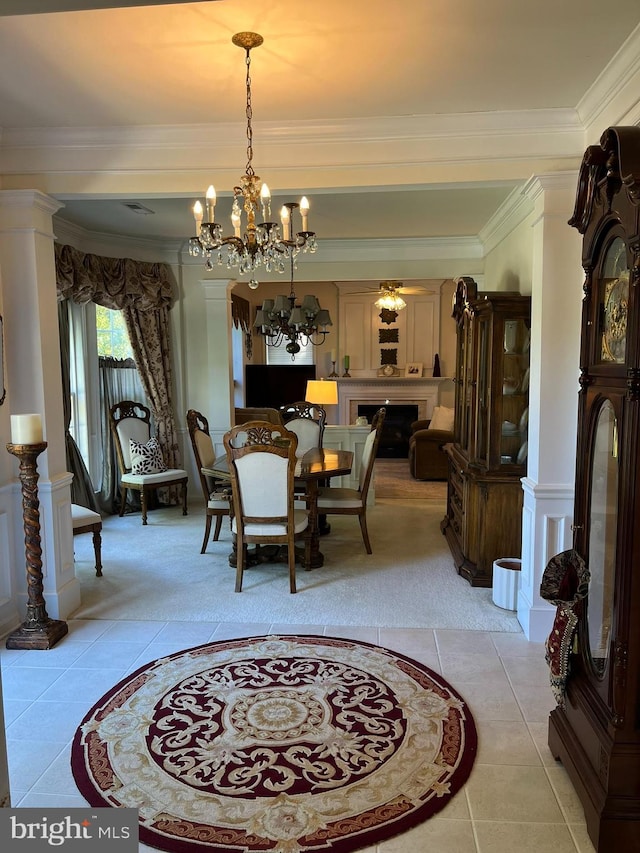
x=517, y=797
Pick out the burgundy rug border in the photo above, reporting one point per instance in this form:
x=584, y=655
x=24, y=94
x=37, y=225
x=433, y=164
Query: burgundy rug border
x=349, y=844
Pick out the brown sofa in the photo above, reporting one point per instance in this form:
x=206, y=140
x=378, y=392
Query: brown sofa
x=273, y=416
x=427, y=460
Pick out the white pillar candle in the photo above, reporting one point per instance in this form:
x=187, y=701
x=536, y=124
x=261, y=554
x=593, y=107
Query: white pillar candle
x=197, y=215
x=26, y=429
x=265, y=196
x=333, y=355
x=304, y=212
x=285, y=219
x=211, y=204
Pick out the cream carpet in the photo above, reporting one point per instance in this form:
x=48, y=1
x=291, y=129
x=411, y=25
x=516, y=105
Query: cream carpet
x=393, y=480
x=157, y=573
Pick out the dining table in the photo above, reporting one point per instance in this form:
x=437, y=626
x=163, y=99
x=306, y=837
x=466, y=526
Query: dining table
x=317, y=465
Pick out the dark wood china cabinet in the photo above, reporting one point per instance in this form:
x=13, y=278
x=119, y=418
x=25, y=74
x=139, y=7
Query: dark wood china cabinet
x=488, y=456
x=595, y=731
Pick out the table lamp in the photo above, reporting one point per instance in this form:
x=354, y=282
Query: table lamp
x=322, y=391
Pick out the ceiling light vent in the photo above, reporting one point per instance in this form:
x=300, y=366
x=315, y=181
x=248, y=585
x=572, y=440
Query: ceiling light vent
x=136, y=207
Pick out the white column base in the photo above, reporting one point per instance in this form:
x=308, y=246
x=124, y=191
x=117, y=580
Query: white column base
x=547, y=516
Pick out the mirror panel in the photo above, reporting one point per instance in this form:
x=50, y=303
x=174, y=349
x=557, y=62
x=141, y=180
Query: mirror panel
x=602, y=535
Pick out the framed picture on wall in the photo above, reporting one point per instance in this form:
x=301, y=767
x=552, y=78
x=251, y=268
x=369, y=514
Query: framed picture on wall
x=3, y=392
x=413, y=370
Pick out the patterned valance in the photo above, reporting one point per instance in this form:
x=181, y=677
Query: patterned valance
x=112, y=282
x=241, y=312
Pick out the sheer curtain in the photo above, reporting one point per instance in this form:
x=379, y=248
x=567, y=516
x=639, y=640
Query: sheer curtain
x=82, y=489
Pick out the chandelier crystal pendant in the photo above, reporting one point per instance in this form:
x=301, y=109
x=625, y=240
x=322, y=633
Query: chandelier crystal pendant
x=265, y=243
x=390, y=298
x=282, y=320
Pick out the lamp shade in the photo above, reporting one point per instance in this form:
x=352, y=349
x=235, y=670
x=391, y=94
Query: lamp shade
x=322, y=391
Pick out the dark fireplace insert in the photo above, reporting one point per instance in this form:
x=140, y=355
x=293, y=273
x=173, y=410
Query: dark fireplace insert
x=396, y=430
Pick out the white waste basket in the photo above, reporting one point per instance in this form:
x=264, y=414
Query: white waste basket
x=506, y=582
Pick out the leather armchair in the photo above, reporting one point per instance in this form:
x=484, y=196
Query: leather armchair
x=427, y=460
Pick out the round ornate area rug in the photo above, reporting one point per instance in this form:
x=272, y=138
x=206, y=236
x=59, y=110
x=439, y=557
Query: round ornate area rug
x=288, y=744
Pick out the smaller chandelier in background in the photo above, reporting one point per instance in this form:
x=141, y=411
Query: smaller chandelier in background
x=282, y=320
x=390, y=298
x=265, y=243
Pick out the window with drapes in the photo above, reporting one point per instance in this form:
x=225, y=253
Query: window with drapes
x=144, y=293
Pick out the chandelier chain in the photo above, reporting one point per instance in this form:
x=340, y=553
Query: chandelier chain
x=249, y=114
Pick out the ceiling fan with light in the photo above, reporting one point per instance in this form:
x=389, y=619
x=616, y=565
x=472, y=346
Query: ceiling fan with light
x=390, y=294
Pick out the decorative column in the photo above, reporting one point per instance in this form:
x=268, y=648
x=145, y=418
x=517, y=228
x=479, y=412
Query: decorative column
x=38, y=631
x=556, y=305
x=219, y=328
x=34, y=383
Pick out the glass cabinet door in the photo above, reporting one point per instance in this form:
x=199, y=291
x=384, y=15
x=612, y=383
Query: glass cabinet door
x=515, y=393
x=613, y=304
x=467, y=382
x=483, y=402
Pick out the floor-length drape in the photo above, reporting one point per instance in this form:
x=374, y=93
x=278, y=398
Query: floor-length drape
x=149, y=334
x=82, y=489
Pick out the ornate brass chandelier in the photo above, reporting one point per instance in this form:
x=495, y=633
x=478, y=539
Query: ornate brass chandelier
x=266, y=243
x=390, y=298
x=282, y=320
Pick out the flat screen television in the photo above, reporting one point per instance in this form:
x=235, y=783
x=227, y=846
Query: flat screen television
x=275, y=385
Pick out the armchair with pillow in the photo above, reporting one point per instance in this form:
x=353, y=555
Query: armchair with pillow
x=427, y=460
x=140, y=460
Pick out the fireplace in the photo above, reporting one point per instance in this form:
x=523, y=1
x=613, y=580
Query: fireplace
x=396, y=429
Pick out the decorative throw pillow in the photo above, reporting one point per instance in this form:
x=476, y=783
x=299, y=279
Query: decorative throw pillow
x=146, y=458
x=442, y=418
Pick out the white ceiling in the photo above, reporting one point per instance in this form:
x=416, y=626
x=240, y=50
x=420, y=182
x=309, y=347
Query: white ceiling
x=336, y=62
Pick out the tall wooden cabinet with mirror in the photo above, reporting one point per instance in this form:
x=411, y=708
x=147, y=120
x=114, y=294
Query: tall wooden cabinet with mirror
x=596, y=733
x=489, y=454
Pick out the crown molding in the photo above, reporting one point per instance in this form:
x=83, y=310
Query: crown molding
x=514, y=210
x=409, y=248
x=330, y=251
x=520, y=203
x=361, y=152
x=117, y=246
x=28, y=199
x=618, y=81
x=384, y=128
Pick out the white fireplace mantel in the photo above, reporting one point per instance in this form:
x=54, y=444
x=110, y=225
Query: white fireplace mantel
x=374, y=391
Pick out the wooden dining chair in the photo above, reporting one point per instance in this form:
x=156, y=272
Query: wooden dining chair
x=262, y=460
x=84, y=520
x=307, y=420
x=216, y=493
x=345, y=501
x=142, y=468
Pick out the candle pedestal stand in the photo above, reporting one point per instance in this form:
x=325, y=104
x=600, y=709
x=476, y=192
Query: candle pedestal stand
x=346, y=373
x=333, y=373
x=38, y=631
